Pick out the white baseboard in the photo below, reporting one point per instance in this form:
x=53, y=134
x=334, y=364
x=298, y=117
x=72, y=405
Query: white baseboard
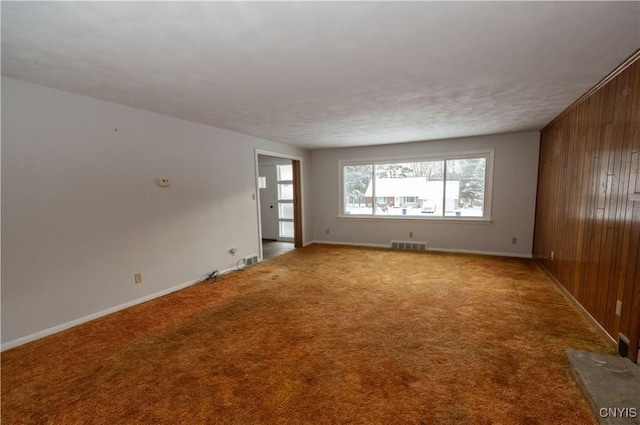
x=459, y=251
x=55, y=329
x=494, y=253
x=371, y=245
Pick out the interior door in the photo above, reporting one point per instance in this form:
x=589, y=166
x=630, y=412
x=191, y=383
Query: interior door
x=286, y=196
x=269, y=202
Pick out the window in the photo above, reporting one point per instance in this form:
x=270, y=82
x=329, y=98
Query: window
x=285, y=201
x=357, y=179
x=444, y=187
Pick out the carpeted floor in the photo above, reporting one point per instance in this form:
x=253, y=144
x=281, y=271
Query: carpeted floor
x=320, y=335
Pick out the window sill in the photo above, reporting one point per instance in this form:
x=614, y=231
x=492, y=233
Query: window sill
x=477, y=220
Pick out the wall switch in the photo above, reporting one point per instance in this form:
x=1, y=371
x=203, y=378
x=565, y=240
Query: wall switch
x=514, y=240
x=618, y=308
x=253, y=196
x=163, y=182
x=137, y=278
x=327, y=231
x=551, y=255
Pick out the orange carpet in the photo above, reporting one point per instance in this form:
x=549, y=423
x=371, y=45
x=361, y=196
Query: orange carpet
x=321, y=335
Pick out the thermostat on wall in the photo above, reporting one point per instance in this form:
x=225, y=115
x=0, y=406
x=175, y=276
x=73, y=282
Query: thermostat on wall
x=163, y=182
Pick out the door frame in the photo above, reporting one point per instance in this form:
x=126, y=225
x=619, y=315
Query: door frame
x=296, y=162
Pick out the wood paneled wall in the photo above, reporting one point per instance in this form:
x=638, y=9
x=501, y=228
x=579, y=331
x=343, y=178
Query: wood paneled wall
x=588, y=202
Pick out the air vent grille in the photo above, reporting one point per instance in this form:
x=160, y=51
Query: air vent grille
x=408, y=245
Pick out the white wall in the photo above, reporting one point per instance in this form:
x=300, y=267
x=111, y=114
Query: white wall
x=513, y=203
x=81, y=211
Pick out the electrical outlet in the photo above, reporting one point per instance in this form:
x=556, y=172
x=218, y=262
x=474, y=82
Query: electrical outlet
x=137, y=278
x=163, y=182
x=327, y=231
x=514, y=240
x=410, y=234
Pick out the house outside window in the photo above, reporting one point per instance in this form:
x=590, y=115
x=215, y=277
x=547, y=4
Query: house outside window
x=455, y=186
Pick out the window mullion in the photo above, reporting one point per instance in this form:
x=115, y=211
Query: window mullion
x=444, y=188
x=373, y=189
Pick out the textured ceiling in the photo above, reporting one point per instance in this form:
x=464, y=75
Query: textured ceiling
x=326, y=74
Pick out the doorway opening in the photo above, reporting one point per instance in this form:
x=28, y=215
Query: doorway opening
x=271, y=248
x=279, y=207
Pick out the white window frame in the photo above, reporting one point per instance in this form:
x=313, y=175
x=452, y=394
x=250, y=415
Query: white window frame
x=488, y=186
